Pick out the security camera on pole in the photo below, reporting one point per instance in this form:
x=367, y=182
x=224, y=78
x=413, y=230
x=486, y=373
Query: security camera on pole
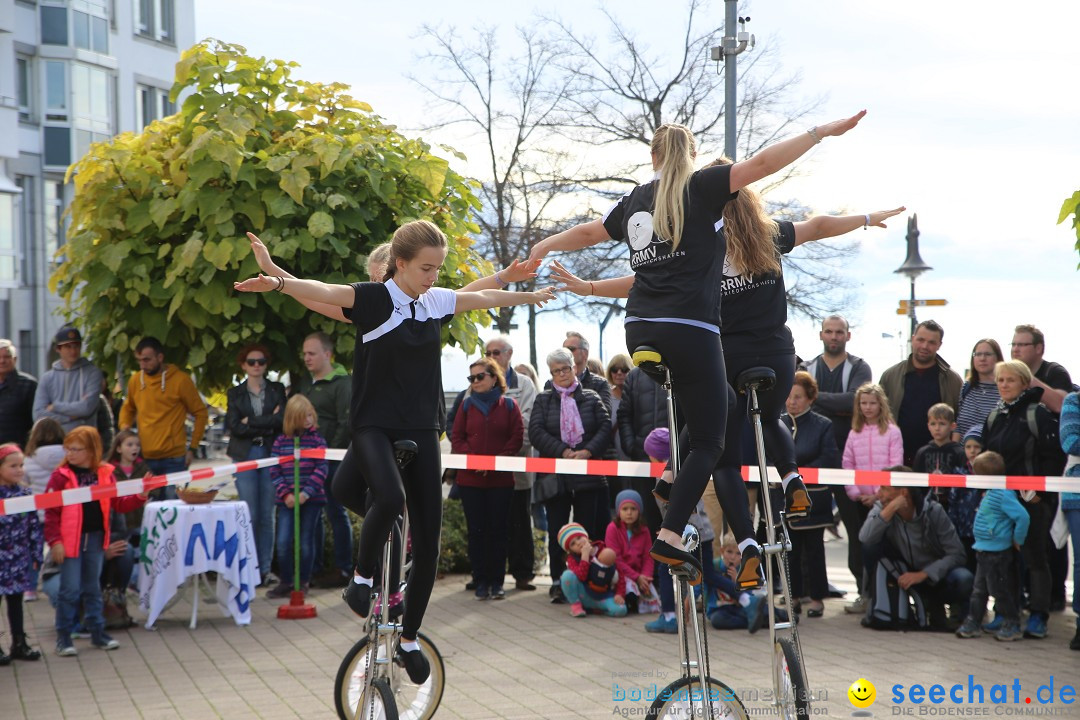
x=732, y=45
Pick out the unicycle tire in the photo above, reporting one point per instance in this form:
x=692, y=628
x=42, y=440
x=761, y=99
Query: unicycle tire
x=794, y=696
x=411, y=701
x=681, y=699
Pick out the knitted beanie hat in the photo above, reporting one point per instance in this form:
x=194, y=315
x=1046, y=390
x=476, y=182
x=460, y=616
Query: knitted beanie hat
x=568, y=532
x=658, y=444
x=975, y=434
x=628, y=496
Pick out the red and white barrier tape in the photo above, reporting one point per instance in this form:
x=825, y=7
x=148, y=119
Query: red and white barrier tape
x=621, y=468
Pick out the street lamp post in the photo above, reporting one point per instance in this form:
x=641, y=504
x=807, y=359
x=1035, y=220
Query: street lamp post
x=913, y=267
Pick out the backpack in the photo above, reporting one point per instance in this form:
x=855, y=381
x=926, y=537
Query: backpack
x=891, y=607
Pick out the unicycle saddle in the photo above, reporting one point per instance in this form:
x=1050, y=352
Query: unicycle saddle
x=651, y=363
x=404, y=452
x=758, y=378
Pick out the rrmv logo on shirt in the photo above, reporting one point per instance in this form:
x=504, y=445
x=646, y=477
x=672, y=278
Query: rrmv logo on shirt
x=644, y=244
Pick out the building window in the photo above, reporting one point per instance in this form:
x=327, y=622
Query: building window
x=58, y=146
x=56, y=93
x=91, y=32
x=26, y=358
x=155, y=19
x=91, y=91
x=54, y=219
x=25, y=229
x=9, y=254
x=152, y=104
x=54, y=25
x=24, y=82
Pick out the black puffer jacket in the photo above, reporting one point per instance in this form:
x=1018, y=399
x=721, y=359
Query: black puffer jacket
x=266, y=427
x=546, y=439
x=643, y=409
x=1011, y=437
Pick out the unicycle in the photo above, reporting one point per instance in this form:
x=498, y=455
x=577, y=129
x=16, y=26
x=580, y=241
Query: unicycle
x=695, y=693
x=792, y=696
x=370, y=683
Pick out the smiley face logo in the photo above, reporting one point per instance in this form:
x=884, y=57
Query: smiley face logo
x=862, y=693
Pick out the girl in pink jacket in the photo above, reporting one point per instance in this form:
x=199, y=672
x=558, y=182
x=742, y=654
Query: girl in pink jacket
x=874, y=443
x=628, y=536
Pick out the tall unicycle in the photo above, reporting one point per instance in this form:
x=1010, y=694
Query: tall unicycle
x=694, y=694
x=789, y=673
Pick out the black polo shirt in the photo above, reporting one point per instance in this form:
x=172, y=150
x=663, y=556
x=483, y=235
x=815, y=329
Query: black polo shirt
x=397, y=365
x=754, y=307
x=681, y=286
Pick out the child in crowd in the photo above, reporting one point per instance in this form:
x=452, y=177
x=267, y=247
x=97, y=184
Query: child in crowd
x=942, y=455
x=590, y=580
x=629, y=537
x=738, y=609
x=1001, y=526
x=125, y=455
x=44, y=453
x=874, y=442
x=78, y=536
x=973, y=446
x=20, y=553
x=961, y=503
x=300, y=420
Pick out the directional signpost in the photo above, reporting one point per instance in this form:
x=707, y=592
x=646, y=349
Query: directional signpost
x=906, y=305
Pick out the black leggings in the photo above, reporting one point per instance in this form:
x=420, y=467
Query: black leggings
x=779, y=444
x=15, y=614
x=419, y=486
x=696, y=359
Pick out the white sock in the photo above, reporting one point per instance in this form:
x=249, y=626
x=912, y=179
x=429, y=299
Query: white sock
x=744, y=599
x=669, y=616
x=410, y=645
x=787, y=479
x=361, y=580
x=749, y=542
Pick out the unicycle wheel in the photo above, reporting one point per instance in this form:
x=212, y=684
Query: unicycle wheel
x=794, y=696
x=411, y=701
x=682, y=699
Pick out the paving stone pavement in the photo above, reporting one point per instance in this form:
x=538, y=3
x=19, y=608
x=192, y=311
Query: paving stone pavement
x=518, y=658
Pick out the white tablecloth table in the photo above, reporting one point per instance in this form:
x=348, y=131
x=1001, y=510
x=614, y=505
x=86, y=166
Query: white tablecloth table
x=180, y=541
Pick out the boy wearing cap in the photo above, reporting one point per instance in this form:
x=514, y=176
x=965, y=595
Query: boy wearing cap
x=590, y=580
x=70, y=391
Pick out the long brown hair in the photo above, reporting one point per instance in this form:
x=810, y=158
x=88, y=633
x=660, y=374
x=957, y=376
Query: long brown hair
x=409, y=240
x=673, y=150
x=749, y=231
x=46, y=431
x=973, y=378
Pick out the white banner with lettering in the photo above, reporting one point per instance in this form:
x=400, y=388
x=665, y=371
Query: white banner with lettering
x=181, y=540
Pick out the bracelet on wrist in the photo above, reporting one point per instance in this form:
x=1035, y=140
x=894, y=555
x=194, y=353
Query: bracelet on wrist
x=866, y=224
x=813, y=133
x=498, y=279
x=592, y=289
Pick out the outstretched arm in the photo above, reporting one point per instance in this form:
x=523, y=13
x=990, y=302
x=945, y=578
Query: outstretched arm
x=512, y=273
x=576, y=238
x=778, y=156
x=337, y=295
x=826, y=226
x=485, y=299
x=269, y=267
x=612, y=288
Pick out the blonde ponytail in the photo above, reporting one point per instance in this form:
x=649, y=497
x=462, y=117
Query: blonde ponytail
x=750, y=232
x=673, y=149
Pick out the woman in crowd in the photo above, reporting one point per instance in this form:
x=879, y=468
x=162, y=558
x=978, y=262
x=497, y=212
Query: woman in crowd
x=617, y=370
x=488, y=423
x=1025, y=433
x=255, y=414
x=568, y=421
x=397, y=395
x=815, y=447
x=979, y=394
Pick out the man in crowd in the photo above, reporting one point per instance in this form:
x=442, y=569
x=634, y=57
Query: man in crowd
x=329, y=388
x=519, y=549
x=70, y=391
x=839, y=374
x=159, y=398
x=912, y=386
x=16, y=397
x=1028, y=346
x=906, y=525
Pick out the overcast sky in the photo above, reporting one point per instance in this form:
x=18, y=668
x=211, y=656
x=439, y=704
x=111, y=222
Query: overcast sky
x=972, y=124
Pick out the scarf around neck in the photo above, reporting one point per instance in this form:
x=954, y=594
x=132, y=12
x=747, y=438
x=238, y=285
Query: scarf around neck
x=570, y=428
x=484, y=401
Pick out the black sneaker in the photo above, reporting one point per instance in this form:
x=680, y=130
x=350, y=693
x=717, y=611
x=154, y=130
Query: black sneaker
x=358, y=597
x=749, y=577
x=415, y=664
x=662, y=490
x=671, y=555
x=556, y=595
x=796, y=499
x=497, y=593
